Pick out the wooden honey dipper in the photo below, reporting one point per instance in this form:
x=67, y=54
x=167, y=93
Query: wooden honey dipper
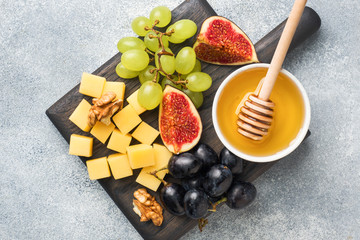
x=255, y=111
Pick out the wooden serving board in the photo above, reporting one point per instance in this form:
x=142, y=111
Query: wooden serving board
x=121, y=191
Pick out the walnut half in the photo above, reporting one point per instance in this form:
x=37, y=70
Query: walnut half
x=147, y=207
x=104, y=108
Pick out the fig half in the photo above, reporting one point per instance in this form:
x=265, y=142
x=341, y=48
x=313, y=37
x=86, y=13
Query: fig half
x=221, y=42
x=179, y=122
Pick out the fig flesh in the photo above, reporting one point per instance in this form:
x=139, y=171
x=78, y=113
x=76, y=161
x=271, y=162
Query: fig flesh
x=221, y=42
x=179, y=122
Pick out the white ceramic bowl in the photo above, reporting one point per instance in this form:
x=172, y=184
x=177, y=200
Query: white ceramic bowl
x=294, y=143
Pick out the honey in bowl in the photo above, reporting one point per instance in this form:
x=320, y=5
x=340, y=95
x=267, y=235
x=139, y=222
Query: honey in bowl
x=288, y=119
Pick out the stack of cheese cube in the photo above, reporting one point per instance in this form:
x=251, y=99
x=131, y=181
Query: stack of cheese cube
x=148, y=156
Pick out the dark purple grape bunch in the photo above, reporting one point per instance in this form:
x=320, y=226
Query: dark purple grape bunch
x=206, y=181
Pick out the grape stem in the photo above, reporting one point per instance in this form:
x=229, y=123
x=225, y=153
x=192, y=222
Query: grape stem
x=156, y=22
x=150, y=52
x=154, y=173
x=159, y=36
x=164, y=52
x=169, y=33
x=183, y=84
x=180, y=81
x=156, y=74
x=202, y=223
x=214, y=205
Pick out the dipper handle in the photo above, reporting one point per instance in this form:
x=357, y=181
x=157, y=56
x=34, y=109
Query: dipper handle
x=281, y=49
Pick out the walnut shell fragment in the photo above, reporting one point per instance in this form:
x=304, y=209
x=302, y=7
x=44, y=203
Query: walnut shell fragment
x=103, y=108
x=147, y=207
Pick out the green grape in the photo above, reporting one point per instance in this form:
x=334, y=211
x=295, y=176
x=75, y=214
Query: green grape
x=175, y=40
x=150, y=95
x=198, y=81
x=166, y=81
x=172, y=38
x=196, y=97
x=123, y=72
x=128, y=43
x=135, y=59
x=167, y=61
x=145, y=74
x=197, y=68
x=183, y=29
x=138, y=25
x=185, y=60
x=153, y=43
x=161, y=13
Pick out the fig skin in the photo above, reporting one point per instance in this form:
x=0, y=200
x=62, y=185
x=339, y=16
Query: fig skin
x=224, y=43
x=190, y=128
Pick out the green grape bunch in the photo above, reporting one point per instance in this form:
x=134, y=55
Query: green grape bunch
x=182, y=71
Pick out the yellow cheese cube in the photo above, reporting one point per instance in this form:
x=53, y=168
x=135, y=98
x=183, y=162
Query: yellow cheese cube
x=81, y=145
x=126, y=119
x=92, y=85
x=147, y=180
x=141, y=155
x=132, y=100
x=118, y=141
x=144, y=133
x=162, y=157
x=117, y=87
x=98, y=168
x=119, y=165
x=80, y=115
x=101, y=131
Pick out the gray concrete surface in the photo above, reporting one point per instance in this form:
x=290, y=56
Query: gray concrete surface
x=46, y=194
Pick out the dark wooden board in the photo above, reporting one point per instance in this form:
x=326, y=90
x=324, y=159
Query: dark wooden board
x=121, y=191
